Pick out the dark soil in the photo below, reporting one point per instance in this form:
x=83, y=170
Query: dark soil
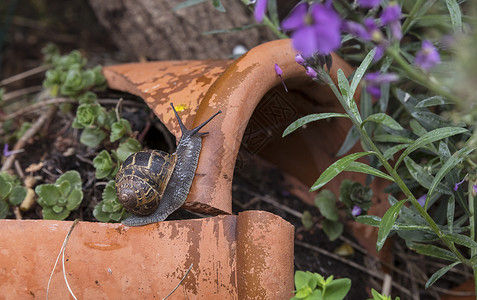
x=72, y=25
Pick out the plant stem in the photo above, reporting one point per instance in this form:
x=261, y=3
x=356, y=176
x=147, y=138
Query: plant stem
x=393, y=173
x=267, y=22
x=410, y=17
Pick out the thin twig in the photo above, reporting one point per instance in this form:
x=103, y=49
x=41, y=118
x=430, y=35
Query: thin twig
x=24, y=75
x=179, y=282
x=33, y=107
x=27, y=135
x=21, y=92
x=62, y=251
x=118, y=109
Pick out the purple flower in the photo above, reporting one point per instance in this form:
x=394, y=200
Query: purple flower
x=456, y=186
x=422, y=200
x=7, y=152
x=374, y=81
x=356, y=211
x=428, y=57
x=356, y=29
x=474, y=187
x=391, y=16
x=260, y=10
x=299, y=59
x=311, y=72
x=368, y=3
x=315, y=28
x=279, y=73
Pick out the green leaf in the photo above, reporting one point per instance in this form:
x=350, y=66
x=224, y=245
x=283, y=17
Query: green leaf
x=57, y=209
x=48, y=194
x=307, y=220
x=86, y=115
x=49, y=214
x=430, y=120
x=360, y=71
x=351, y=139
x=461, y=240
x=392, y=138
x=74, y=200
x=218, y=5
x=431, y=136
x=92, y=137
x=336, y=168
x=423, y=177
x=233, y=29
x=345, y=91
x=64, y=187
x=326, y=203
x=103, y=164
x=332, y=229
x=4, y=209
x=5, y=188
x=450, y=213
x=119, y=129
x=433, y=101
x=337, y=289
x=455, y=15
x=434, y=251
x=369, y=220
x=440, y=273
x=109, y=192
x=393, y=150
x=127, y=148
x=387, y=223
x=310, y=118
x=364, y=168
x=383, y=119
x=453, y=161
x=187, y=3
x=17, y=195
x=73, y=177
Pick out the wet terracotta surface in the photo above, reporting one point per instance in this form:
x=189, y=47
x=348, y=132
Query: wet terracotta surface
x=255, y=109
x=111, y=261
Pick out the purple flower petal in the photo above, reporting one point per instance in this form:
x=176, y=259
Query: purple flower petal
x=299, y=59
x=304, y=40
x=356, y=29
x=474, y=187
x=297, y=18
x=428, y=57
x=456, y=186
x=422, y=200
x=391, y=14
x=375, y=80
x=356, y=211
x=311, y=72
x=260, y=10
x=278, y=70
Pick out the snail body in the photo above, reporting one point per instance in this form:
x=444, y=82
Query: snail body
x=152, y=184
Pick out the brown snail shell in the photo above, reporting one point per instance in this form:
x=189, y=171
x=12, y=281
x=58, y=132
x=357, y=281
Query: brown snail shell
x=142, y=180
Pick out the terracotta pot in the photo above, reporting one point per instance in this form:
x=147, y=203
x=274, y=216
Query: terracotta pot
x=255, y=111
x=249, y=256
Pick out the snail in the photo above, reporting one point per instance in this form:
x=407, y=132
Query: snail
x=152, y=184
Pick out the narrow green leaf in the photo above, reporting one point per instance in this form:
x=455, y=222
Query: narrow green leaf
x=218, y=5
x=431, y=136
x=392, y=138
x=384, y=119
x=360, y=71
x=450, y=213
x=364, y=168
x=453, y=161
x=433, y=101
x=336, y=168
x=424, y=178
x=440, y=273
x=369, y=220
x=431, y=120
x=434, y=251
x=455, y=15
x=387, y=223
x=310, y=118
x=351, y=139
x=461, y=240
x=233, y=29
x=343, y=84
x=393, y=150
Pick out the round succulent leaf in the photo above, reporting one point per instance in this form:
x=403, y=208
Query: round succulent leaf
x=64, y=187
x=5, y=188
x=332, y=229
x=116, y=216
x=49, y=214
x=99, y=214
x=326, y=203
x=92, y=137
x=57, y=208
x=17, y=195
x=307, y=220
x=48, y=194
x=103, y=164
x=73, y=177
x=119, y=129
x=127, y=148
x=4, y=209
x=74, y=200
